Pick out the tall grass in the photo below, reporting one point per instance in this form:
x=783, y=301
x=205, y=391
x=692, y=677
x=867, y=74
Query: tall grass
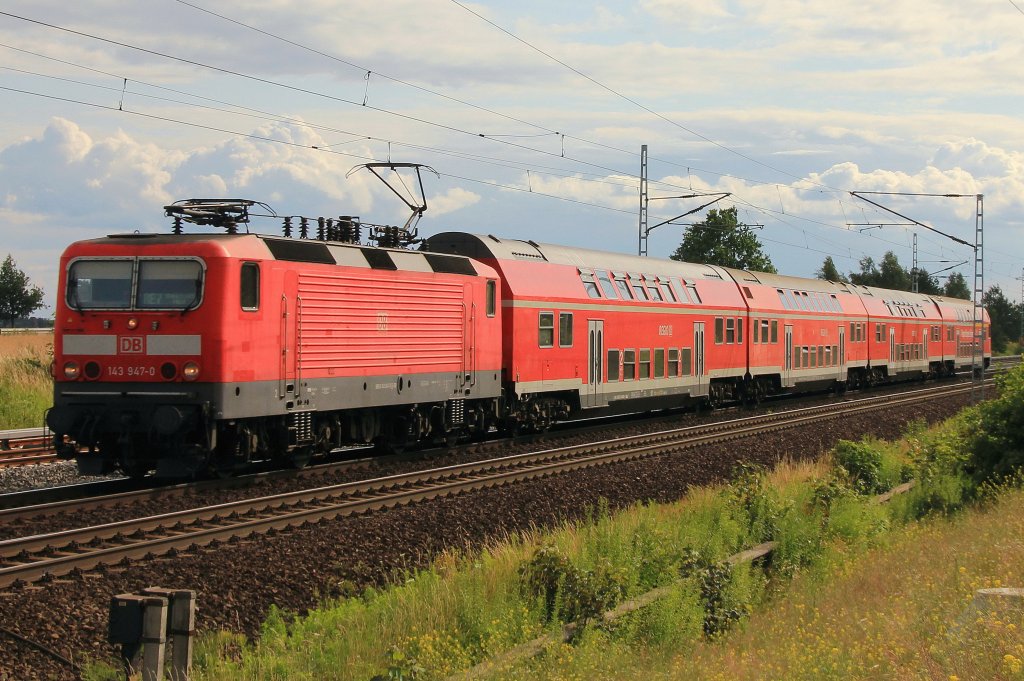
x=25, y=382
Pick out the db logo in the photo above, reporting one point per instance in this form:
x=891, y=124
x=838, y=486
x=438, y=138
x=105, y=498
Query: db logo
x=131, y=345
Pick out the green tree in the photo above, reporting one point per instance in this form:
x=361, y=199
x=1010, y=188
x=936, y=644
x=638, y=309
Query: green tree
x=1005, y=317
x=956, y=287
x=18, y=297
x=926, y=283
x=829, y=271
x=891, y=274
x=722, y=240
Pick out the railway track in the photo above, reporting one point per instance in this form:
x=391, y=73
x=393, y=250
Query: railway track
x=25, y=446
x=48, y=556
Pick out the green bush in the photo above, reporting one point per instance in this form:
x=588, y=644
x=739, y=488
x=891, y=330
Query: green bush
x=568, y=593
x=863, y=462
x=997, y=447
x=754, y=503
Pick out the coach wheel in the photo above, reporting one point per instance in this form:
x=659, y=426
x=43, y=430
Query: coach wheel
x=716, y=396
x=299, y=457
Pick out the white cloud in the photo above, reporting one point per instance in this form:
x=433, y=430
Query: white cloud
x=452, y=200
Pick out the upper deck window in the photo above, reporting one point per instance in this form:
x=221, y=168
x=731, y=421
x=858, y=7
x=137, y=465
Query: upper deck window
x=606, y=285
x=100, y=284
x=169, y=285
x=623, y=286
x=590, y=285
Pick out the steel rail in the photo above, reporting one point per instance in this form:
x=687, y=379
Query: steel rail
x=35, y=558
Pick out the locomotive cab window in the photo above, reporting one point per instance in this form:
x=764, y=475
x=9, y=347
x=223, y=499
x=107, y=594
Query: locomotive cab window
x=546, y=329
x=100, y=284
x=250, y=286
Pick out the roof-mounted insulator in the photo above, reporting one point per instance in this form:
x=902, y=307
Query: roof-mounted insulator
x=321, y=232
x=303, y=228
x=288, y=226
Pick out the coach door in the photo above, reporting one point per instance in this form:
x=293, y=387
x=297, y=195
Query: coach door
x=892, y=349
x=841, y=359
x=595, y=364
x=698, y=359
x=787, y=374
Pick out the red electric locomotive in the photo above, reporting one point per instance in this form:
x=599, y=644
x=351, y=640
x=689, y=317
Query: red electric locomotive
x=182, y=353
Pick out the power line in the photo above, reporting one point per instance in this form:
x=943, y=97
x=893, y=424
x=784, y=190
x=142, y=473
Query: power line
x=633, y=101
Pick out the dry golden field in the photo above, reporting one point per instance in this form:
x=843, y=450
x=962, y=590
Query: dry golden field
x=36, y=344
x=25, y=382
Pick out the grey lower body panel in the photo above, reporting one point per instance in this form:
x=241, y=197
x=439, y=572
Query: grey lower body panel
x=238, y=400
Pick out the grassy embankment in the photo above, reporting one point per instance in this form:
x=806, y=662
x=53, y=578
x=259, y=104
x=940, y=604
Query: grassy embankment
x=25, y=384
x=855, y=589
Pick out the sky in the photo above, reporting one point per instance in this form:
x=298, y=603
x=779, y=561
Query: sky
x=532, y=113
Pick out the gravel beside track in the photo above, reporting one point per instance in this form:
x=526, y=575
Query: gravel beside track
x=238, y=581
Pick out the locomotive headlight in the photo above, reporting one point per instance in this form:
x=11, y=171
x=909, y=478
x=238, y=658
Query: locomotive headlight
x=71, y=370
x=190, y=371
x=133, y=323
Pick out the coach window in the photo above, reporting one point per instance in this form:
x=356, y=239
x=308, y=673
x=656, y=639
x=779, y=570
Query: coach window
x=623, y=286
x=775, y=331
x=755, y=336
x=590, y=285
x=250, y=293
x=739, y=330
x=613, y=365
x=652, y=289
x=949, y=333
x=719, y=330
x=606, y=285
x=546, y=329
x=687, y=361
x=783, y=299
x=645, y=363
x=565, y=329
x=659, y=362
x=796, y=357
x=827, y=361
x=666, y=288
x=730, y=330
x=692, y=289
x=638, y=287
x=492, y=297
x=629, y=364
x=673, y=361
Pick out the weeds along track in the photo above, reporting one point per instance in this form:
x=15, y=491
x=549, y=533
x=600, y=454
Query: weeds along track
x=44, y=556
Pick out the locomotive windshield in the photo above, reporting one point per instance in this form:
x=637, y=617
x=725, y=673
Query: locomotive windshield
x=127, y=283
x=166, y=284
x=100, y=284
